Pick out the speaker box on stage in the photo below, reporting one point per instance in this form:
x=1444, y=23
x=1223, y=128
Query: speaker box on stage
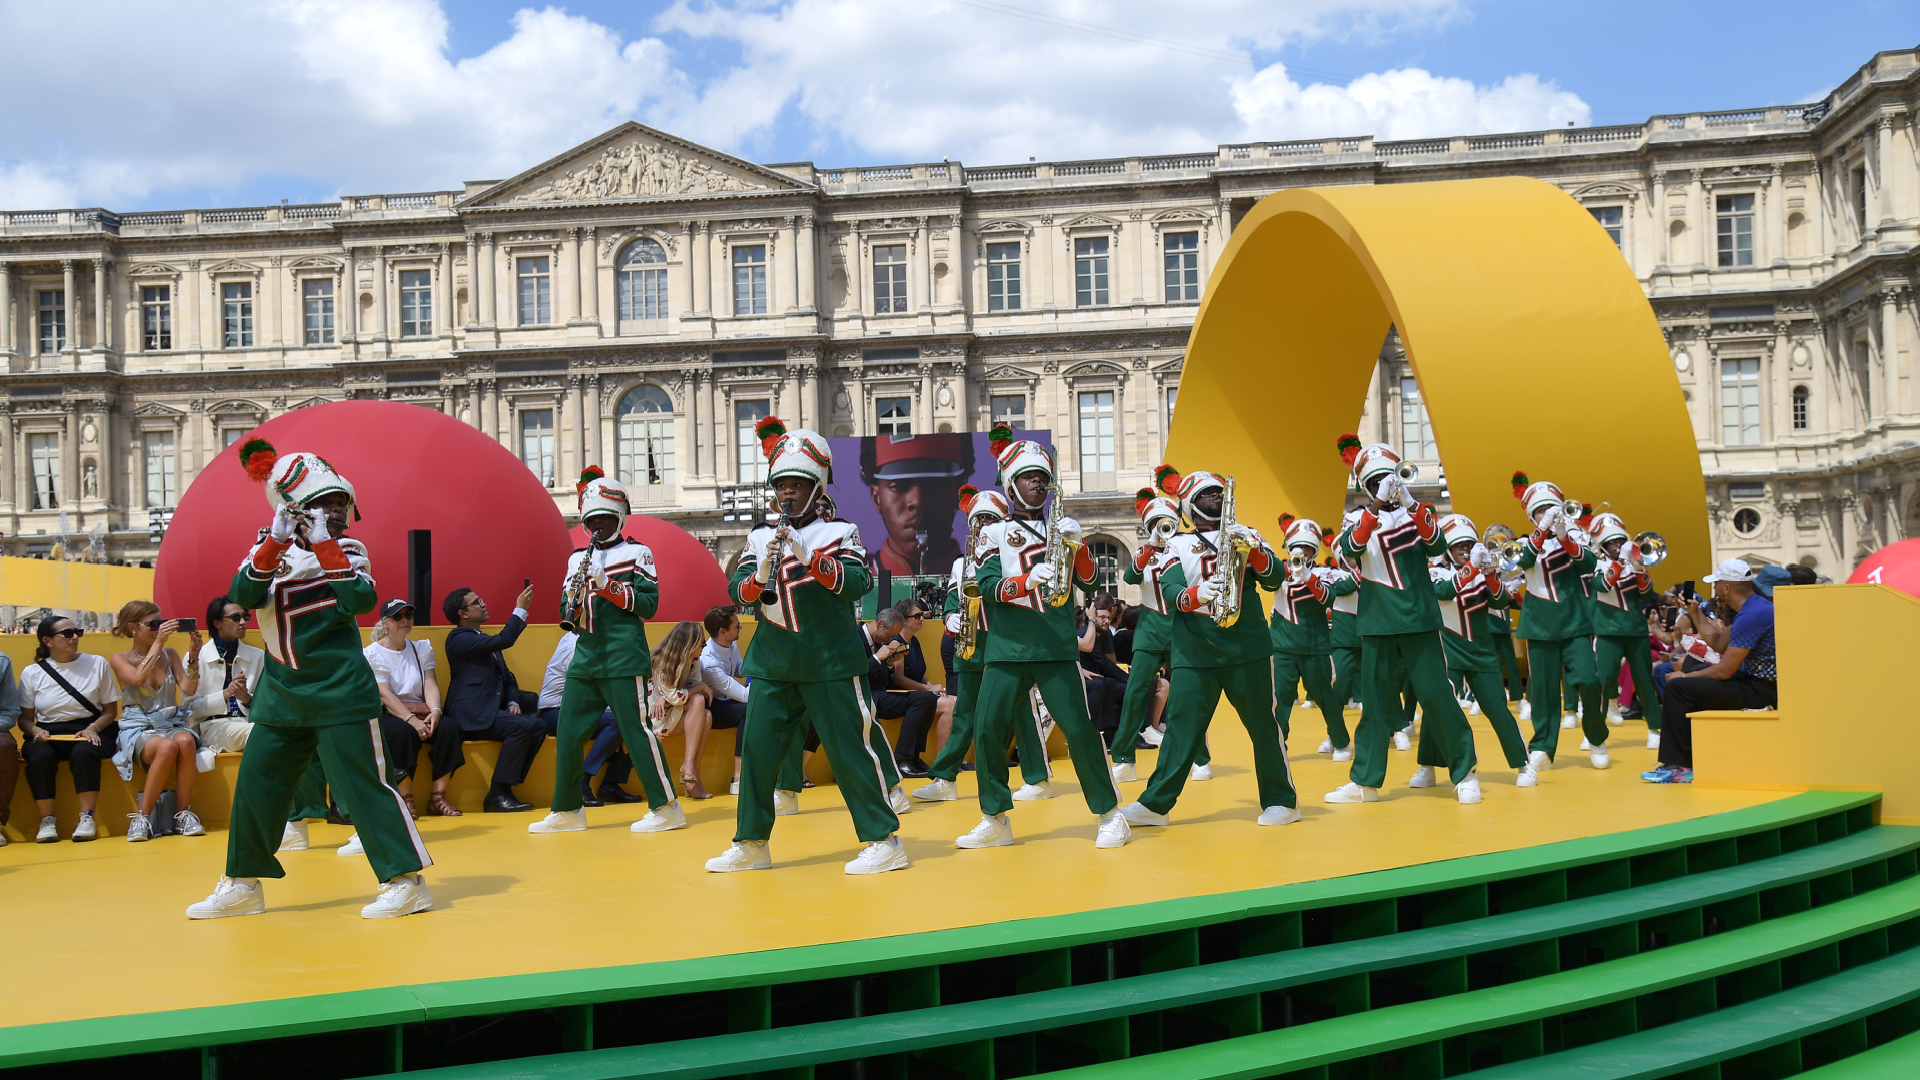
x=420, y=574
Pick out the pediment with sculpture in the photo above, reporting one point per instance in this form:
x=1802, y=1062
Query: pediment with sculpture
x=635, y=162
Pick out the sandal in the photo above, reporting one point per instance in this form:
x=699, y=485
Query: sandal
x=438, y=806
x=691, y=785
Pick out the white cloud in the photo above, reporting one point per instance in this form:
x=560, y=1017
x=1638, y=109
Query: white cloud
x=361, y=95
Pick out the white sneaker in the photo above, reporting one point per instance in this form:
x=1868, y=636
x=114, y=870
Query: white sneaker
x=1034, y=792
x=49, y=830
x=1201, y=772
x=1580, y=709
x=880, y=856
x=1599, y=757
x=1137, y=814
x=661, y=819
x=994, y=830
x=231, y=896
x=1125, y=773
x=1326, y=747
x=897, y=799
x=1526, y=710
x=1539, y=762
x=1527, y=777
x=1422, y=777
x=1613, y=715
x=560, y=821
x=1568, y=720
x=138, y=828
x=733, y=788
x=403, y=895
x=1584, y=744
x=1352, y=792
x=1345, y=753
x=1278, y=815
x=1114, y=830
x=1474, y=709
x=295, y=837
x=353, y=846
x=785, y=803
x=1653, y=740
x=187, y=823
x=1468, y=790
x=1152, y=736
x=742, y=855
x=1400, y=740
x=88, y=829
x=938, y=791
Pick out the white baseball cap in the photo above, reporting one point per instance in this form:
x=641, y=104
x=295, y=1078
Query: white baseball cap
x=1731, y=570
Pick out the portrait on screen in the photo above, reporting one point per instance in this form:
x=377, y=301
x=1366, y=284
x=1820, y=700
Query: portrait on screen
x=904, y=494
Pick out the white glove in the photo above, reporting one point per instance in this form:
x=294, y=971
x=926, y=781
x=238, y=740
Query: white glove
x=1300, y=576
x=1247, y=533
x=953, y=623
x=1040, y=577
x=318, y=531
x=801, y=553
x=598, y=575
x=285, y=520
x=1482, y=558
x=1070, y=530
x=1208, y=591
x=763, y=568
x=1561, y=523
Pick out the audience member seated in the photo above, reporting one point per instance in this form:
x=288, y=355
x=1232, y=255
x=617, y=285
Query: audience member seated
x=1742, y=678
x=720, y=670
x=229, y=670
x=909, y=673
x=69, y=708
x=1106, y=683
x=410, y=696
x=678, y=697
x=605, y=750
x=9, y=746
x=156, y=729
x=913, y=708
x=485, y=701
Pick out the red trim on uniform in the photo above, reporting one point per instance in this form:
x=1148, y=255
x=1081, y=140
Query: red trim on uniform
x=266, y=557
x=1363, y=528
x=1083, y=568
x=750, y=589
x=1426, y=521
x=1190, y=598
x=618, y=594
x=826, y=570
x=330, y=556
x=1318, y=588
x=1142, y=557
x=1259, y=559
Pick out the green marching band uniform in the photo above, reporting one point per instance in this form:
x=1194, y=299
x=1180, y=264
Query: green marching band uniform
x=1033, y=644
x=317, y=695
x=1210, y=659
x=1302, y=641
x=1620, y=588
x=1399, y=627
x=1152, y=633
x=982, y=508
x=1555, y=621
x=1500, y=626
x=1343, y=639
x=1466, y=583
x=610, y=591
x=807, y=662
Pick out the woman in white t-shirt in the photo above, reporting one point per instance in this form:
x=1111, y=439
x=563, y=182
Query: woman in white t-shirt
x=403, y=669
x=76, y=726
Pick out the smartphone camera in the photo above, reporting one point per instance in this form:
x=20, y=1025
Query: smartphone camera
x=188, y=626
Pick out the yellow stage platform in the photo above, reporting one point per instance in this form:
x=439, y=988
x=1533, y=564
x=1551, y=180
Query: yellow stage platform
x=511, y=903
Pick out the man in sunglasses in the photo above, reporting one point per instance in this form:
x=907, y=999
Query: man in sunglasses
x=231, y=670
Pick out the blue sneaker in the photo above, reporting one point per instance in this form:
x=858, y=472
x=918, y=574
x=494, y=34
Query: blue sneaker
x=1661, y=775
x=1681, y=775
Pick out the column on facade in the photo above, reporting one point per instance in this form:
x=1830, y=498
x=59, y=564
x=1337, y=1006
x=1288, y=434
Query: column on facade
x=716, y=427
x=924, y=422
x=577, y=437
x=923, y=235
x=473, y=279
x=382, y=328
x=1883, y=188
x=699, y=252
x=569, y=290
x=276, y=300
x=1044, y=279
x=103, y=422
x=6, y=309
x=348, y=310
x=444, y=306
x=191, y=287
x=102, y=306
x=856, y=263
x=595, y=434
x=1776, y=216
x=789, y=266
x=803, y=251
x=69, y=491
x=1696, y=222
x=693, y=388
x=590, y=276
x=6, y=447
x=1136, y=240
x=493, y=411
x=1658, y=208
x=72, y=304
x=1889, y=374
x=484, y=271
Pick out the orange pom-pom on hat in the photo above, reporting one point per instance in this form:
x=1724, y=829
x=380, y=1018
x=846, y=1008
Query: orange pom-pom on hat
x=1519, y=481
x=999, y=437
x=1286, y=520
x=258, y=456
x=768, y=431
x=587, y=476
x=968, y=493
x=1140, y=500
x=1168, y=479
x=1349, y=446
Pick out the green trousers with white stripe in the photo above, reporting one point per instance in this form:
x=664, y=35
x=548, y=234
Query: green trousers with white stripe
x=354, y=759
x=841, y=713
x=1317, y=673
x=582, y=703
x=1003, y=697
x=1416, y=660
x=961, y=735
x=1190, y=707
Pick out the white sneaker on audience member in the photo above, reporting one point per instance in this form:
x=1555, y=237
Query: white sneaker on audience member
x=187, y=823
x=733, y=788
x=897, y=799
x=1653, y=740
x=87, y=829
x=1422, y=777
x=353, y=846
x=1137, y=814
x=994, y=830
x=231, y=896
x=1326, y=747
x=880, y=857
x=938, y=791
x=1468, y=790
x=1034, y=792
x=742, y=855
x=560, y=821
x=1278, y=815
x=1345, y=753
x=1400, y=740
x=402, y=895
x=661, y=819
x=49, y=830
x=138, y=828
x=1125, y=773
x=785, y=803
x=1599, y=757
x=1351, y=792
x=1201, y=772
x=295, y=836
x=1114, y=831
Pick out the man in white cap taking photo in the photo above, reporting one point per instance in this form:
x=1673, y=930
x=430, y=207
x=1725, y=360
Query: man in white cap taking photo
x=1743, y=678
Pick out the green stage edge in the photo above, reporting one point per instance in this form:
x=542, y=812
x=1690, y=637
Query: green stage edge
x=392, y=1007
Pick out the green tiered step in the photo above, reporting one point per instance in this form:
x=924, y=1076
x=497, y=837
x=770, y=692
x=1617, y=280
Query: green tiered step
x=1563, y=957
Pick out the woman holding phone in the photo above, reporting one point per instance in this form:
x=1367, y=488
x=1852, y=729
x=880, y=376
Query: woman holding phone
x=69, y=703
x=156, y=730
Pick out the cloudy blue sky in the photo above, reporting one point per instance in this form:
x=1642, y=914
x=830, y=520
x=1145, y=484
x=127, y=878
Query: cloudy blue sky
x=196, y=103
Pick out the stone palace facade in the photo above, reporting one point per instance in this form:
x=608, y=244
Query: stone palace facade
x=639, y=301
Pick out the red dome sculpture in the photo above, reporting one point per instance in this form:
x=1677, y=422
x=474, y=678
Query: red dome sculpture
x=1896, y=566
x=691, y=580
x=411, y=468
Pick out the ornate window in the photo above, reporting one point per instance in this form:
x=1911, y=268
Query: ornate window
x=1746, y=521
x=536, y=290
x=750, y=279
x=156, y=317
x=643, y=434
x=416, y=303
x=1802, y=397
x=1740, y=402
x=1106, y=564
x=1735, y=229
x=1090, y=272
x=43, y=456
x=1610, y=219
x=889, y=279
x=316, y=299
x=52, y=321
x=752, y=463
x=1182, y=251
x=1416, y=431
x=158, y=452
x=1096, y=441
x=895, y=416
x=642, y=282
x=536, y=443
x=236, y=315
x=1003, y=277
x=1011, y=410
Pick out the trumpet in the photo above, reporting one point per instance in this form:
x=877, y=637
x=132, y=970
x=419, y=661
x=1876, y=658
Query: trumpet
x=1510, y=553
x=1163, y=531
x=1648, y=549
x=1498, y=536
x=1571, y=509
x=1297, y=564
x=1404, y=474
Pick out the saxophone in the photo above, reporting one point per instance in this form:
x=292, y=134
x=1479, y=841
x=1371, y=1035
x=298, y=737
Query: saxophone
x=1230, y=570
x=1060, y=555
x=573, y=599
x=968, y=639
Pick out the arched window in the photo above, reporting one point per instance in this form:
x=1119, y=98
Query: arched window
x=1106, y=563
x=642, y=282
x=1801, y=397
x=643, y=434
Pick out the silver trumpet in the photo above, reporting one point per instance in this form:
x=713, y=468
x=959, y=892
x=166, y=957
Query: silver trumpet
x=1648, y=549
x=1297, y=564
x=1163, y=531
x=1406, y=473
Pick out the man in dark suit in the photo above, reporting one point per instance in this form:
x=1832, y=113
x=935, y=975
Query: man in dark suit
x=484, y=699
x=914, y=709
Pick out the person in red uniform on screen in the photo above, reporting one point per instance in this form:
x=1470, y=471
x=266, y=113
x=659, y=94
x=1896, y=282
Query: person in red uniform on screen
x=915, y=483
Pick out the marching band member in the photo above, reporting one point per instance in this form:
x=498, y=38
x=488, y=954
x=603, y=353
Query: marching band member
x=1034, y=644
x=1468, y=587
x=1152, y=635
x=982, y=508
x=1500, y=634
x=1210, y=659
x=317, y=696
x=1302, y=651
x=610, y=591
x=1392, y=537
x=806, y=659
x=1621, y=586
x=1343, y=638
x=1554, y=621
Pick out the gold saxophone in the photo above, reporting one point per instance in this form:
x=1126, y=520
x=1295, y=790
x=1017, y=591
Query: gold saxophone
x=1060, y=555
x=573, y=598
x=1231, y=568
x=968, y=639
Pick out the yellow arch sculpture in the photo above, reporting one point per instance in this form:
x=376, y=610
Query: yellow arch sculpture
x=1532, y=343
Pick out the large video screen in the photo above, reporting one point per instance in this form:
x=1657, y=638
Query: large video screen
x=904, y=493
